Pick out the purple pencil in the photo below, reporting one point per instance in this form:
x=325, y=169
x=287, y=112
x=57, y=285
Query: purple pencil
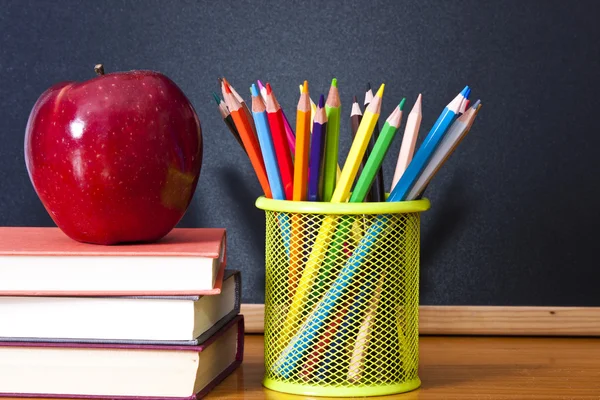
x=317, y=144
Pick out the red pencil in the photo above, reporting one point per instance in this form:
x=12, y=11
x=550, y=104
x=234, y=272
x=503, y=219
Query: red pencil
x=282, y=150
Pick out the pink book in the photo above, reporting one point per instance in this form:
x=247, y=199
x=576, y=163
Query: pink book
x=119, y=371
x=45, y=262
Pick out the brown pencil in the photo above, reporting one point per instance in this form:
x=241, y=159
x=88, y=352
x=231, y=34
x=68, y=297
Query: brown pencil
x=226, y=115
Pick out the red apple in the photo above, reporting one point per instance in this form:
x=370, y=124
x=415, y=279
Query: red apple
x=116, y=158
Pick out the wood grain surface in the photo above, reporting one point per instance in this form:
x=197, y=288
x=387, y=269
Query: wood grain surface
x=484, y=320
x=465, y=368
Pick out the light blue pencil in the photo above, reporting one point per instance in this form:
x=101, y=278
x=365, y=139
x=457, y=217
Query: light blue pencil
x=263, y=132
x=296, y=348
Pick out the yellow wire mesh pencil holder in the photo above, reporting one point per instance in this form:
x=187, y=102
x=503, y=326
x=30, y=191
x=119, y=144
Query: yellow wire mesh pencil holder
x=342, y=297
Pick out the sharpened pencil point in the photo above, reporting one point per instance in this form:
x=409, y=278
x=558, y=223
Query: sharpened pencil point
x=217, y=98
x=322, y=101
x=305, y=87
x=465, y=90
x=269, y=90
x=368, y=86
x=220, y=81
x=260, y=84
x=254, y=90
x=227, y=88
x=401, y=105
x=477, y=103
x=380, y=91
x=334, y=82
x=468, y=93
x=301, y=86
x=355, y=99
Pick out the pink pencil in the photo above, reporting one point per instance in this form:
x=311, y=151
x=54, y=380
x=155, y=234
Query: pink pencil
x=289, y=133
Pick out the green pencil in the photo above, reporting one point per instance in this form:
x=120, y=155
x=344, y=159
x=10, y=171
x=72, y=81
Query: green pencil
x=333, y=107
x=377, y=155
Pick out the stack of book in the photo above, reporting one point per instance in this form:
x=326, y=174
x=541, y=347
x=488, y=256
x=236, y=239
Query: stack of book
x=158, y=320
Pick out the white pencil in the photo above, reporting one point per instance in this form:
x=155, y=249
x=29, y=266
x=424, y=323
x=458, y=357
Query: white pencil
x=456, y=133
x=407, y=149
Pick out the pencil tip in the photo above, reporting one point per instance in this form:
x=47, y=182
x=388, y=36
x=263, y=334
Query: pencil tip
x=217, y=98
x=380, y=91
x=401, y=105
x=420, y=98
x=322, y=101
x=227, y=88
x=220, y=81
x=305, y=87
x=368, y=86
x=260, y=84
x=355, y=99
x=476, y=104
x=269, y=89
x=465, y=91
x=254, y=90
x=334, y=82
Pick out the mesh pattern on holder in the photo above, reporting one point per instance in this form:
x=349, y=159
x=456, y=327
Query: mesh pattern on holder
x=341, y=303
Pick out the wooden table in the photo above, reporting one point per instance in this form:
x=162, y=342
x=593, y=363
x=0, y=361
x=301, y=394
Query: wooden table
x=466, y=368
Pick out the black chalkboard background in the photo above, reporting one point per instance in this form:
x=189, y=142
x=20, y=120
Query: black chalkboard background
x=514, y=218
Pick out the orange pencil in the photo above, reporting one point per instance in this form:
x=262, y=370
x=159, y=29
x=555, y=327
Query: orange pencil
x=302, y=145
x=248, y=139
x=300, y=182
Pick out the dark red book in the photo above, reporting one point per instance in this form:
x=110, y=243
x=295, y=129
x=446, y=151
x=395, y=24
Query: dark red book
x=119, y=371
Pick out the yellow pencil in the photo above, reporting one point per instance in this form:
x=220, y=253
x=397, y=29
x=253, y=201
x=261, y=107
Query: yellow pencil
x=357, y=151
x=340, y=194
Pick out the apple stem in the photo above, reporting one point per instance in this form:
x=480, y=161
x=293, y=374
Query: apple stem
x=99, y=69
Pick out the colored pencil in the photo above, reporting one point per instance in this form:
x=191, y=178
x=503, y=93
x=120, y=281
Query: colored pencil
x=227, y=119
x=364, y=335
x=284, y=159
x=242, y=102
x=313, y=108
x=289, y=133
x=302, y=146
x=357, y=150
x=259, y=114
x=333, y=109
x=373, y=164
x=431, y=142
x=407, y=149
x=251, y=145
x=377, y=190
x=355, y=117
x=452, y=139
x=317, y=146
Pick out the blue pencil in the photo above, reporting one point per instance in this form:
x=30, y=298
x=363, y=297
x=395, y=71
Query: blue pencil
x=463, y=95
x=263, y=132
x=317, y=146
x=296, y=348
x=426, y=150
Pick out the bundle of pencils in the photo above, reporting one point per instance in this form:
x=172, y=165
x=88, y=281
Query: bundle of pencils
x=303, y=166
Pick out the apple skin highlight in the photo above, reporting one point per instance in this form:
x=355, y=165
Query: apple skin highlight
x=114, y=159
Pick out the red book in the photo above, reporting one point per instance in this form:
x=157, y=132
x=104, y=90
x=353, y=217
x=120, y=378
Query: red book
x=45, y=262
x=118, y=371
